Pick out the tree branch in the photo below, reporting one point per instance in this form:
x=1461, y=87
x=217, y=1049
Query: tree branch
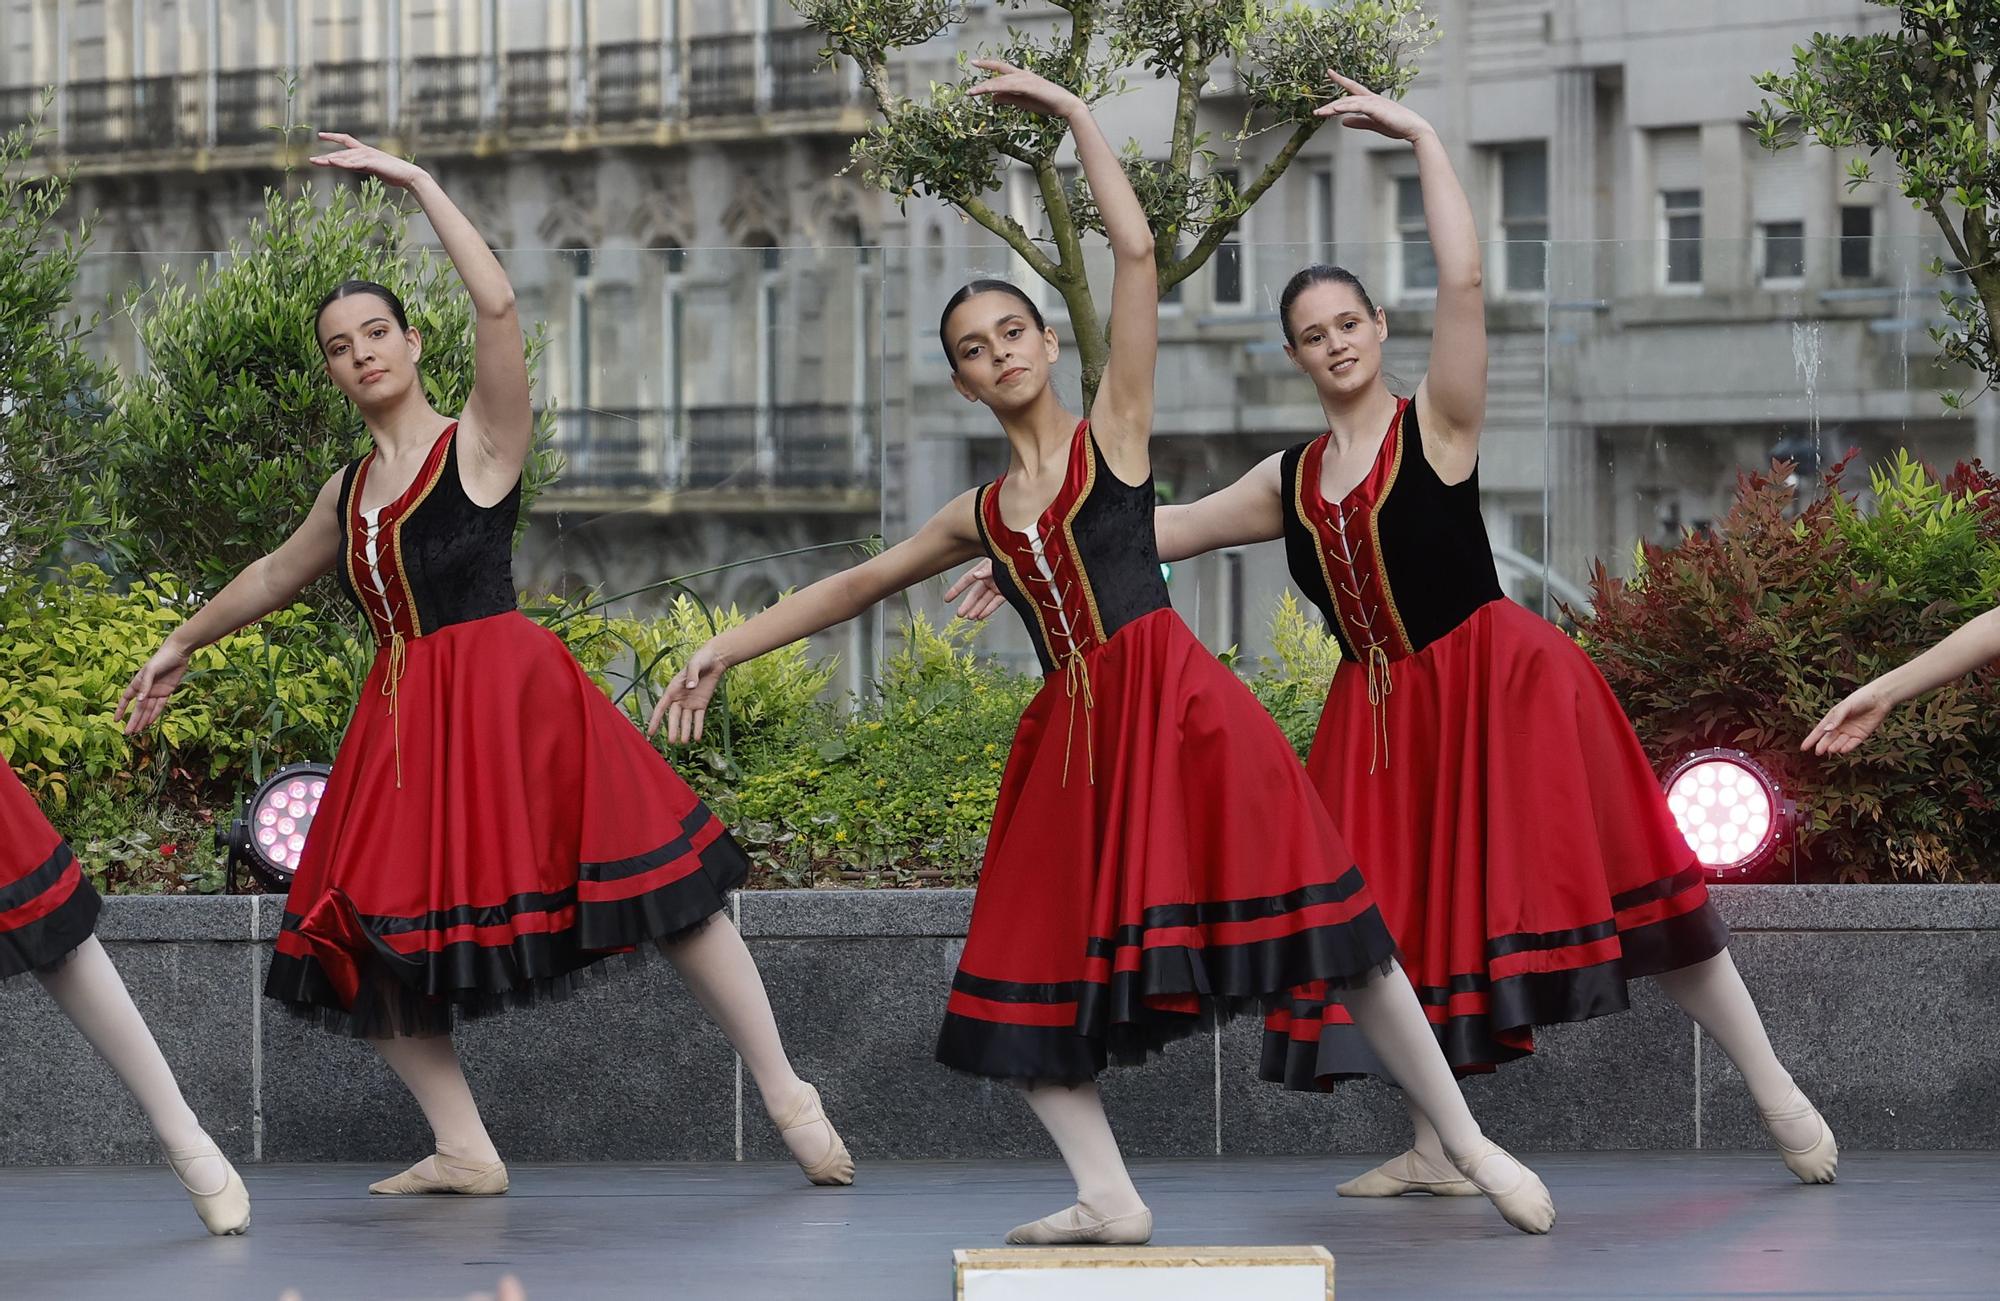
x=1211, y=239
x=1082, y=27
x=1017, y=239
x=1958, y=249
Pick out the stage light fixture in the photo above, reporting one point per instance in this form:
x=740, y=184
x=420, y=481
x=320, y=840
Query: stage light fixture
x=1732, y=811
x=269, y=833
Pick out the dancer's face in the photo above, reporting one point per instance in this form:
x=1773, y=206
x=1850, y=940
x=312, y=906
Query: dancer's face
x=370, y=358
x=1338, y=341
x=1000, y=357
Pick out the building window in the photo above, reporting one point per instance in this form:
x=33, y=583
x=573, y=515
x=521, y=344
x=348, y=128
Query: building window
x=1322, y=213
x=1416, y=265
x=1680, y=227
x=1857, y=242
x=1524, y=216
x=1229, y=255
x=1781, y=249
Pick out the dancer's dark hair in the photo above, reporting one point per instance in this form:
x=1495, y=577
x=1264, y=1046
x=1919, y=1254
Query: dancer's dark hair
x=983, y=287
x=349, y=288
x=1318, y=274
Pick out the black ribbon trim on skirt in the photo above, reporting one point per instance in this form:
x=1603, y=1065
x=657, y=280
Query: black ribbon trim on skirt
x=50, y=939
x=1471, y=1043
x=424, y=993
x=1115, y=1022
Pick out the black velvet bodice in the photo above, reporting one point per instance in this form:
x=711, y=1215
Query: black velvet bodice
x=1092, y=564
x=443, y=558
x=1398, y=563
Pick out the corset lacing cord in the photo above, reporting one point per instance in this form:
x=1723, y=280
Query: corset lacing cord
x=1076, y=681
x=1379, y=686
x=399, y=660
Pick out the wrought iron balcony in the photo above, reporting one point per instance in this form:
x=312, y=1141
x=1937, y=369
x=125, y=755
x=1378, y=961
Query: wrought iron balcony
x=722, y=75
x=538, y=89
x=349, y=97
x=799, y=80
x=148, y=115
x=711, y=449
x=249, y=102
x=441, y=94
x=628, y=84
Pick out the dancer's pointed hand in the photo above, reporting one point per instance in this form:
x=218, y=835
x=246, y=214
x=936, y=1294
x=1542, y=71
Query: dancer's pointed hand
x=1019, y=88
x=145, y=696
x=1850, y=722
x=684, y=704
x=353, y=156
x=982, y=594
x=1364, y=110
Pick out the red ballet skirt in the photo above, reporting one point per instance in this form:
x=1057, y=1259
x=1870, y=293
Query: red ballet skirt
x=1157, y=857
x=47, y=905
x=494, y=825
x=1514, y=832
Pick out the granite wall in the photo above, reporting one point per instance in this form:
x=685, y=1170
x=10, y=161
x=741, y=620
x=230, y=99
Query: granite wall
x=1881, y=999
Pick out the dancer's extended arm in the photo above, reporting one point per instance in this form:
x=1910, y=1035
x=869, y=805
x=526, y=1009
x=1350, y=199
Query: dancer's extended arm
x=948, y=538
x=1850, y=722
x=268, y=583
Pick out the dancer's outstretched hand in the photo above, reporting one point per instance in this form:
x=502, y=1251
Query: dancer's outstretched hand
x=982, y=593
x=1364, y=110
x=1019, y=88
x=684, y=704
x=353, y=156
x=1850, y=722
x=145, y=696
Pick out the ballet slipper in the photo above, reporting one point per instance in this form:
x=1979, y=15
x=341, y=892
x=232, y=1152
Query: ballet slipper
x=836, y=1167
x=1408, y=1173
x=1813, y=1164
x=1522, y=1200
x=226, y=1211
x=444, y=1174
x=1074, y=1224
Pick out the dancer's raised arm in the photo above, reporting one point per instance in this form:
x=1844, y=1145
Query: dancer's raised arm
x=1122, y=414
x=1854, y=719
x=1451, y=400
x=497, y=427
x=948, y=538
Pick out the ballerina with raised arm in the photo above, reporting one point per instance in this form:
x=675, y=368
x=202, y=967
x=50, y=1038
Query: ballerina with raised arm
x=494, y=827
x=1974, y=643
x=1494, y=792
x=1156, y=858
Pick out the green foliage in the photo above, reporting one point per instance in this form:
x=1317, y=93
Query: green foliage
x=952, y=146
x=223, y=443
x=1294, y=688
x=1747, y=635
x=1925, y=95
x=51, y=390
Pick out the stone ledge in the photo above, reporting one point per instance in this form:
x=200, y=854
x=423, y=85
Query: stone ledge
x=845, y=914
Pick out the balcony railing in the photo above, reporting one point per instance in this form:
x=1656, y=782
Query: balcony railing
x=349, y=97
x=442, y=94
x=722, y=76
x=538, y=90
x=621, y=84
x=713, y=448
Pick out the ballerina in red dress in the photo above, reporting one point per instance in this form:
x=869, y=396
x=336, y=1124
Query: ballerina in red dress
x=1157, y=858
x=1514, y=832
x=48, y=924
x=494, y=827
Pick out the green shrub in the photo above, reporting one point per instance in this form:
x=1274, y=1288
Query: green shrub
x=1745, y=636
x=1293, y=688
x=222, y=444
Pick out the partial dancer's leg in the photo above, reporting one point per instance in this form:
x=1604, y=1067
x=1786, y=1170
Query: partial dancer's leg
x=87, y=988
x=717, y=966
x=1387, y=1011
x=1425, y=1168
x=465, y=1161
x=1108, y=1209
x=1713, y=993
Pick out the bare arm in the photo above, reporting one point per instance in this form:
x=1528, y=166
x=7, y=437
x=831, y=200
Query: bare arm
x=268, y=583
x=948, y=538
x=1121, y=415
x=497, y=425
x=1249, y=510
x=1850, y=722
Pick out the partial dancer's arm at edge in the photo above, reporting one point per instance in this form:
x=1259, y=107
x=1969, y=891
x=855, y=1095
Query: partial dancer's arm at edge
x=269, y=583
x=1850, y=722
x=948, y=538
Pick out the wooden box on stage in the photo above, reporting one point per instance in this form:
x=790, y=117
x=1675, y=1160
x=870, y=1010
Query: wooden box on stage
x=1143, y=1274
